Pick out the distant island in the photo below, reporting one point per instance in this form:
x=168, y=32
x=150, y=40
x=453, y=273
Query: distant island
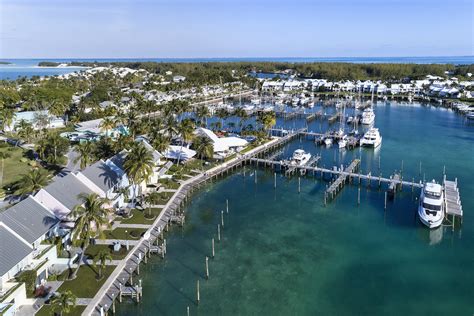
x=5, y=63
x=48, y=64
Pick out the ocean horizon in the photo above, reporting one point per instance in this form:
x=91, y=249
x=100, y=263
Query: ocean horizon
x=28, y=67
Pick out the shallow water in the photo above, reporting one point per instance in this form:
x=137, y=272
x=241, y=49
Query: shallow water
x=286, y=253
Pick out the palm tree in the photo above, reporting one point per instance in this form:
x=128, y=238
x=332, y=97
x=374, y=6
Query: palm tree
x=25, y=130
x=152, y=199
x=186, y=130
x=85, y=151
x=63, y=303
x=6, y=117
x=204, y=147
x=243, y=116
x=222, y=114
x=31, y=182
x=101, y=258
x=202, y=113
x=138, y=165
x=3, y=155
x=107, y=124
x=161, y=142
x=90, y=217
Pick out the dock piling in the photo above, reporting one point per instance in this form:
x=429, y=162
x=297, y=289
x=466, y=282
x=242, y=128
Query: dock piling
x=358, y=196
x=207, y=267
x=218, y=232
x=222, y=219
x=198, y=296
x=385, y=204
x=213, y=249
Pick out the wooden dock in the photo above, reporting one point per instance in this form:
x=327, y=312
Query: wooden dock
x=452, y=200
x=338, y=184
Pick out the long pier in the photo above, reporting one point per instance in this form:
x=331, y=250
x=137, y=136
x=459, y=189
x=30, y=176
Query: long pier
x=121, y=282
x=452, y=200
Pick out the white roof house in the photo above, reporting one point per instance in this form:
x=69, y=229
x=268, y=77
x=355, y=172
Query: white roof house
x=177, y=152
x=38, y=119
x=222, y=145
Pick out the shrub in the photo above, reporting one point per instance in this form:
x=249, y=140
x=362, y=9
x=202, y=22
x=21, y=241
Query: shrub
x=29, y=278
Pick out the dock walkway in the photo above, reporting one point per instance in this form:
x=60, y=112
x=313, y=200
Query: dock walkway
x=452, y=200
x=338, y=184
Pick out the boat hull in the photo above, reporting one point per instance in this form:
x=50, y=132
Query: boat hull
x=430, y=222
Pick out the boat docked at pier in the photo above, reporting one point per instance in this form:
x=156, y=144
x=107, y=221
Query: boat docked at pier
x=371, y=138
x=368, y=116
x=431, y=208
x=300, y=158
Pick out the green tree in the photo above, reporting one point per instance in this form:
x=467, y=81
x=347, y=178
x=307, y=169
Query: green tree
x=138, y=165
x=186, y=131
x=91, y=217
x=31, y=182
x=107, y=124
x=100, y=260
x=152, y=199
x=85, y=154
x=52, y=148
x=204, y=147
x=63, y=303
x=6, y=117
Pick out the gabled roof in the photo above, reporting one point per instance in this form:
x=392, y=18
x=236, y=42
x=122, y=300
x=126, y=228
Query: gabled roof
x=29, y=219
x=101, y=175
x=67, y=189
x=13, y=250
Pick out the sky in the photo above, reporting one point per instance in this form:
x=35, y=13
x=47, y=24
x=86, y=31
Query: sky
x=235, y=28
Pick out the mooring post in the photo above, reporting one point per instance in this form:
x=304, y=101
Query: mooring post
x=222, y=219
x=358, y=196
x=131, y=276
x=299, y=184
x=213, y=249
x=120, y=292
x=113, y=302
x=275, y=180
x=198, y=298
x=207, y=267
x=385, y=205
x=218, y=232
x=187, y=311
x=255, y=176
x=227, y=205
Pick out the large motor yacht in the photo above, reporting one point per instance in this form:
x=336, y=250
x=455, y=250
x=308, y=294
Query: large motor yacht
x=368, y=116
x=371, y=138
x=431, y=208
x=300, y=157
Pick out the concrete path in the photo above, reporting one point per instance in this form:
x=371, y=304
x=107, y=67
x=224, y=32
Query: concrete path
x=108, y=263
x=145, y=226
x=112, y=241
x=83, y=301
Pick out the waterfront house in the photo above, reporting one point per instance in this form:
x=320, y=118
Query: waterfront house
x=105, y=181
x=223, y=146
x=22, y=229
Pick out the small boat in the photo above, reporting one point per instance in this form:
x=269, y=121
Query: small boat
x=342, y=143
x=470, y=115
x=300, y=157
x=371, y=138
x=368, y=116
x=295, y=101
x=350, y=119
x=431, y=208
x=328, y=141
x=255, y=101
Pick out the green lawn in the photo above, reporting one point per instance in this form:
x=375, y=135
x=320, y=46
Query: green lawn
x=86, y=283
x=14, y=166
x=47, y=311
x=138, y=216
x=169, y=184
x=124, y=233
x=93, y=250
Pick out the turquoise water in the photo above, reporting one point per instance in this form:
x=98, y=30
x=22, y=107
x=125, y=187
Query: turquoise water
x=26, y=67
x=285, y=253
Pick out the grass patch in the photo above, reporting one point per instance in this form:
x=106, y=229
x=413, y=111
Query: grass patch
x=138, y=216
x=93, y=250
x=86, y=283
x=16, y=165
x=46, y=310
x=125, y=233
x=169, y=184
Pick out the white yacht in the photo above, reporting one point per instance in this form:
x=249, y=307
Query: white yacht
x=300, y=157
x=368, y=116
x=328, y=141
x=431, y=208
x=371, y=138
